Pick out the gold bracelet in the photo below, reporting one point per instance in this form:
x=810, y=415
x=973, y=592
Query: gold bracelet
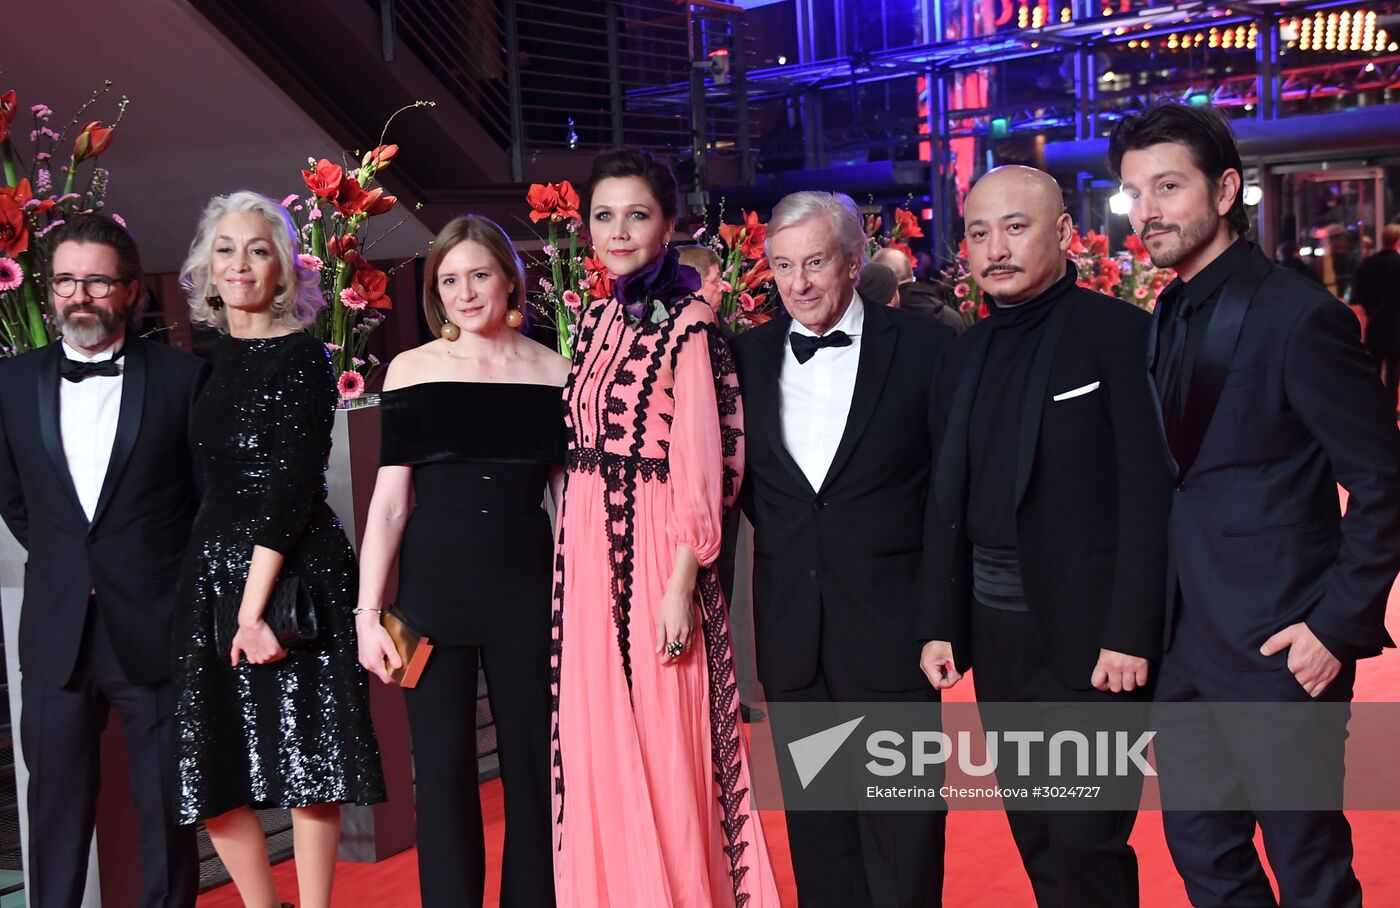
x=358, y=610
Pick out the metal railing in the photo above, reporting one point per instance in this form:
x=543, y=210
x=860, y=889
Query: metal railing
x=548, y=75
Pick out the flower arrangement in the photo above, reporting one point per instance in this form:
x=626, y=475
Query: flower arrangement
x=963, y=293
x=906, y=227
x=576, y=275
x=745, y=277
x=1098, y=271
x=32, y=204
x=1141, y=282
x=332, y=222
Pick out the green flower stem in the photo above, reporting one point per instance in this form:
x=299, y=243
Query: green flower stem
x=11, y=174
x=33, y=305
x=72, y=173
x=318, y=240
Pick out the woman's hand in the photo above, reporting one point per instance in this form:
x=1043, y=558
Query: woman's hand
x=377, y=652
x=257, y=642
x=675, y=623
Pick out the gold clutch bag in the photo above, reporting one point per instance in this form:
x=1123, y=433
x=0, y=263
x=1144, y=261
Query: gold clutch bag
x=413, y=648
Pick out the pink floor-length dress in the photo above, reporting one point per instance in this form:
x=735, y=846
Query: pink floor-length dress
x=651, y=776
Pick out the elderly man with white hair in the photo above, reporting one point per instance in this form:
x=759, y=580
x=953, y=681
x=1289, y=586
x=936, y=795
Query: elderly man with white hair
x=836, y=412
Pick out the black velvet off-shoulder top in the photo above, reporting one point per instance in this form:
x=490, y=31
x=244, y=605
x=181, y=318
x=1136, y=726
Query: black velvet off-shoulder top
x=450, y=421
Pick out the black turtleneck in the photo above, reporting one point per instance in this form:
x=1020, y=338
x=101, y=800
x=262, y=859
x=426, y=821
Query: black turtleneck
x=994, y=426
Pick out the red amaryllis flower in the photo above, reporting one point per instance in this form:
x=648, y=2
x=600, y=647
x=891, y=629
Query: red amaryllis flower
x=760, y=273
x=1076, y=244
x=380, y=157
x=555, y=201
x=92, y=141
x=873, y=223
x=9, y=104
x=729, y=234
x=755, y=232
x=907, y=251
x=324, y=181
x=906, y=225
x=351, y=384
x=962, y=249
x=372, y=286
x=602, y=282
x=353, y=199
x=1097, y=243
x=542, y=198
x=22, y=195
x=567, y=209
x=1134, y=246
x=345, y=247
x=14, y=230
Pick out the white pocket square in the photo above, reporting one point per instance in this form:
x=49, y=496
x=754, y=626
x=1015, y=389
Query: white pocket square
x=1077, y=392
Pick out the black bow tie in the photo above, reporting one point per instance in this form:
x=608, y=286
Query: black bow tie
x=75, y=370
x=805, y=346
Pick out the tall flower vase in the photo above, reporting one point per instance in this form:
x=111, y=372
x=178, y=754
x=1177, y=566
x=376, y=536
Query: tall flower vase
x=371, y=833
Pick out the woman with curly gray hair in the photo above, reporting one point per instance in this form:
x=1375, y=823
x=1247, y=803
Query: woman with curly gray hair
x=271, y=708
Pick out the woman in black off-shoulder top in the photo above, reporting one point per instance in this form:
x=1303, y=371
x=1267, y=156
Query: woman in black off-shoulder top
x=472, y=431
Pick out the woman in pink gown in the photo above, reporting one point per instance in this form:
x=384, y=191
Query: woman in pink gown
x=651, y=776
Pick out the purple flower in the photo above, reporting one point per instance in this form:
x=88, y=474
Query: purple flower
x=663, y=280
x=118, y=219
x=550, y=250
x=287, y=202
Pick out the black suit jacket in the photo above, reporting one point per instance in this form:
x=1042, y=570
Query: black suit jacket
x=1283, y=405
x=844, y=562
x=1376, y=289
x=1092, y=490
x=130, y=553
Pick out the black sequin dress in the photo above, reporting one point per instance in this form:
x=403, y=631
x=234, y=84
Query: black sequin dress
x=296, y=732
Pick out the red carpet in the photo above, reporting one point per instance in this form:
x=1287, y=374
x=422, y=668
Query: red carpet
x=983, y=868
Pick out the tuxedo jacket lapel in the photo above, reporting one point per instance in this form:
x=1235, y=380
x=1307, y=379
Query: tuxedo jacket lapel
x=50, y=431
x=1207, y=377
x=876, y=354
x=762, y=404
x=1037, y=383
x=128, y=421
x=950, y=475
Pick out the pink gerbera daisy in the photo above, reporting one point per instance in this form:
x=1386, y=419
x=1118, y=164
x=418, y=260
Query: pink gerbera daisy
x=960, y=291
x=572, y=300
x=11, y=275
x=352, y=300
x=351, y=384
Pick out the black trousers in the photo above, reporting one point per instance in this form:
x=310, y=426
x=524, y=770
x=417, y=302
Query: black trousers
x=858, y=858
x=442, y=721
x=1075, y=858
x=1310, y=851
x=61, y=735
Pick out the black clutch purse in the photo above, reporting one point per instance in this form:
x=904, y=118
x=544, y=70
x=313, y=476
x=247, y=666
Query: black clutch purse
x=290, y=613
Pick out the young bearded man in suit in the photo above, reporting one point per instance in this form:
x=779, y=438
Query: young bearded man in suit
x=1053, y=493
x=836, y=413
x=1268, y=401
x=96, y=483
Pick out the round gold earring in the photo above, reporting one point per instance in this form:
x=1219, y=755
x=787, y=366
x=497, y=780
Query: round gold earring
x=449, y=332
x=514, y=317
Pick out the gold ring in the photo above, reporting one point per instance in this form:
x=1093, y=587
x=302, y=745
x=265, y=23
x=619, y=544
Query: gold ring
x=674, y=648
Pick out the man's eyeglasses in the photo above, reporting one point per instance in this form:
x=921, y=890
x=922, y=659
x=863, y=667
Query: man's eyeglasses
x=96, y=286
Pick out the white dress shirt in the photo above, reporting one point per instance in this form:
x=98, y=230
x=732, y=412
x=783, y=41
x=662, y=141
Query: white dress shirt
x=814, y=398
x=88, y=412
